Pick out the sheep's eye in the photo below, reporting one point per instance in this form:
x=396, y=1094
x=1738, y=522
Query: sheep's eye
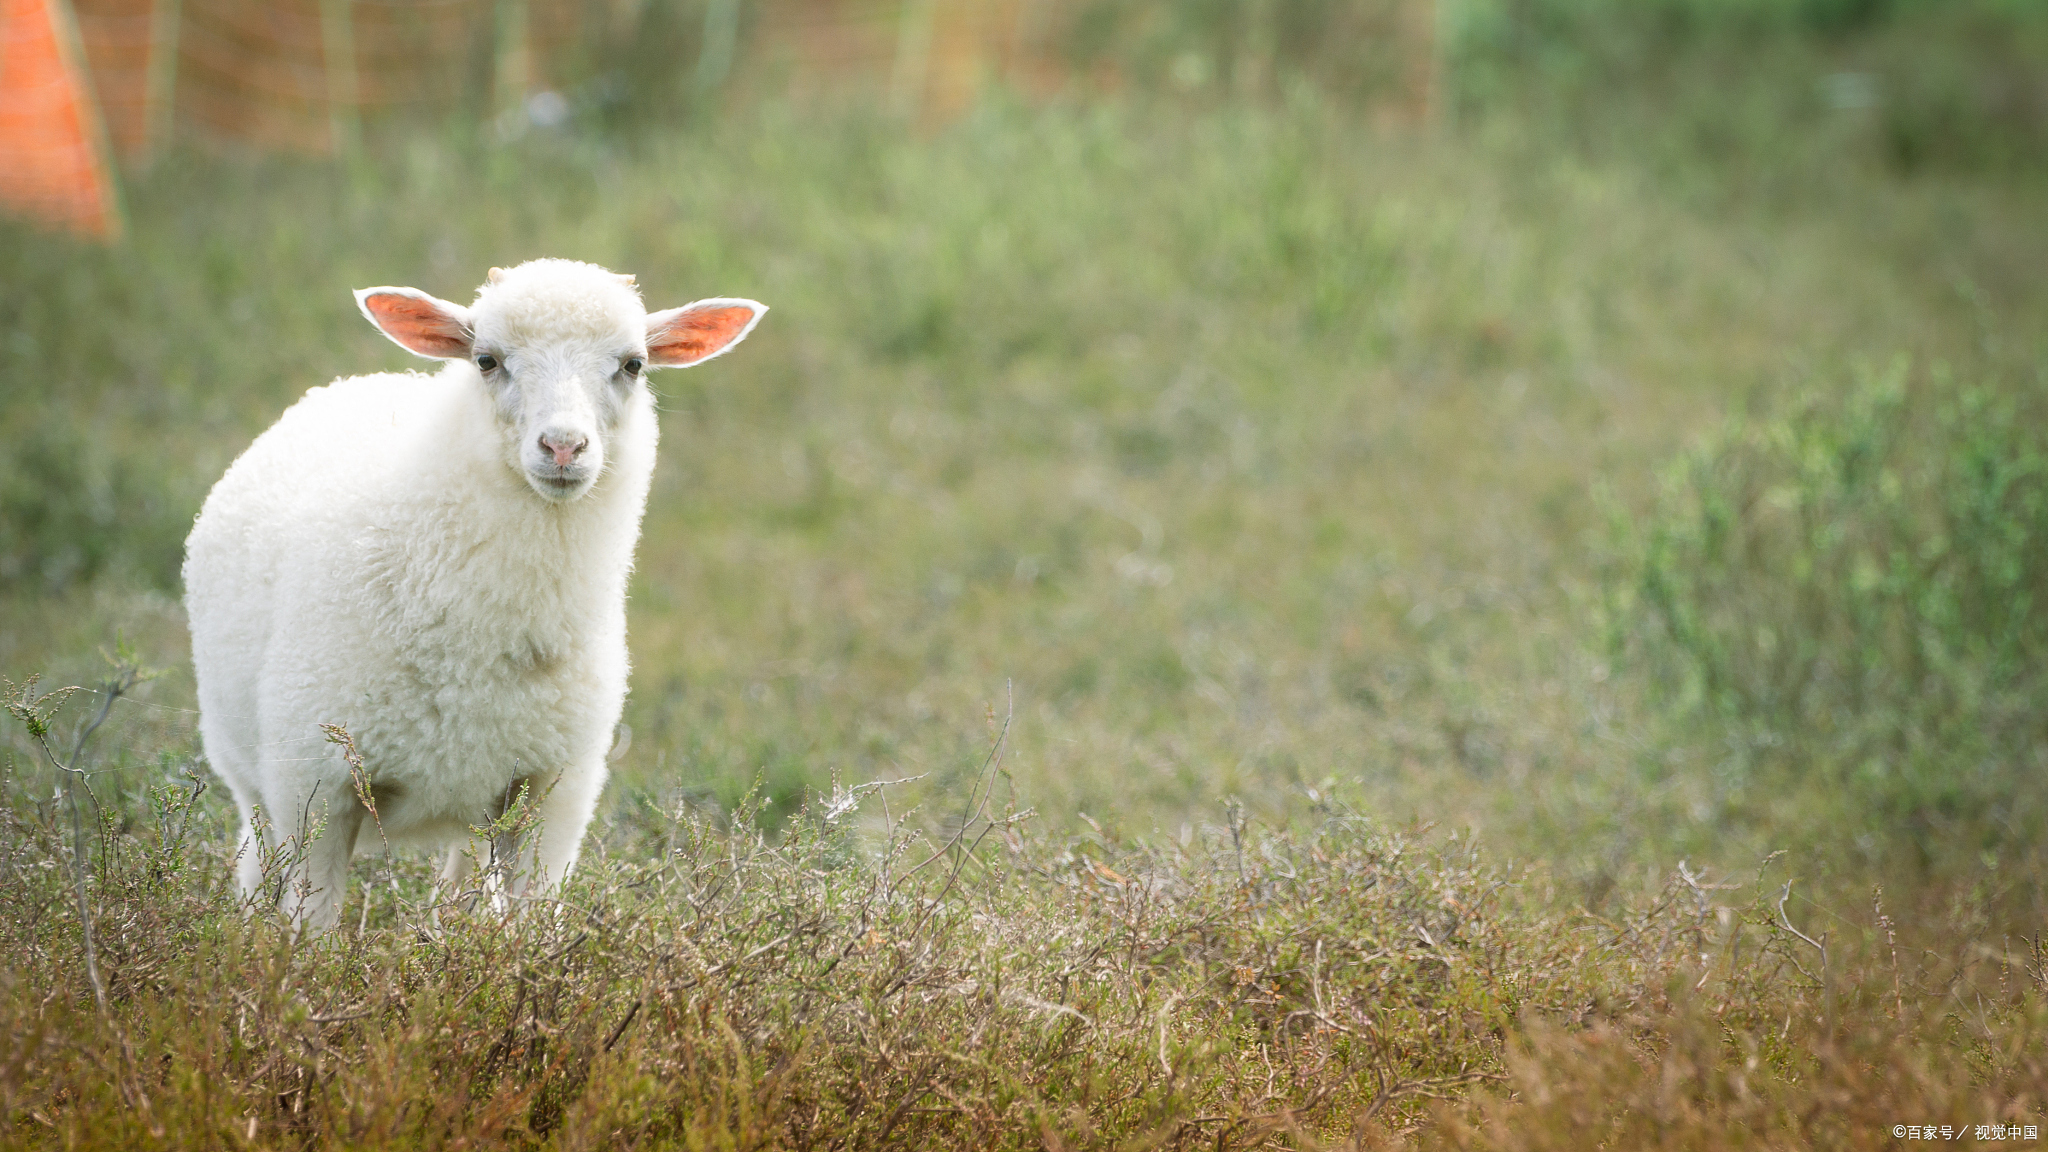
x=632, y=367
x=487, y=363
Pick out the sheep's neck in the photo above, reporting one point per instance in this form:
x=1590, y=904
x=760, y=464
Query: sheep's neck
x=529, y=575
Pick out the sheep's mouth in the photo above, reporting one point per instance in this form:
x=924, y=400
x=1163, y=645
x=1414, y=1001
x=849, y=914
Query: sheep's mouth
x=559, y=485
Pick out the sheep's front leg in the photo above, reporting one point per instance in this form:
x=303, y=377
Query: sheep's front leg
x=312, y=894
x=564, y=808
x=456, y=868
x=249, y=856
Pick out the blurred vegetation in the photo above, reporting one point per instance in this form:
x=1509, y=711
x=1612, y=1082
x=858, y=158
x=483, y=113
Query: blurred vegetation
x=1857, y=586
x=1906, y=84
x=1636, y=461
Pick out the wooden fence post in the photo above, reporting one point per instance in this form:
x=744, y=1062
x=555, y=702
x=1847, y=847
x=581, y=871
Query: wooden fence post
x=344, y=97
x=512, y=58
x=721, y=40
x=908, y=75
x=160, y=82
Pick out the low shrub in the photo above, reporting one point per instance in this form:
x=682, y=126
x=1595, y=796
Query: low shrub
x=1859, y=585
x=854, y=983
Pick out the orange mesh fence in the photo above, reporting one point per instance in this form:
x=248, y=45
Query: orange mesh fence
x=927, y=56
x=304, y=75
x=51, y=166
x=292, y=73
x=934, y=56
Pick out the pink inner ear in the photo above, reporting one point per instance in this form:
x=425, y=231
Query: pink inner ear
x=696, y=334
x=420, y=325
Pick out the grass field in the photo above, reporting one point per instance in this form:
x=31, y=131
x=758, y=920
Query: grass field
x=1405, y=573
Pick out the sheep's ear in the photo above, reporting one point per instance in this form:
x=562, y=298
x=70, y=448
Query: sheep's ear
x=696, y=332
x=417, y=322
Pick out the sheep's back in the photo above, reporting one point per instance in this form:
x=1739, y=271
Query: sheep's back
x=280, y=523
x=301, y=490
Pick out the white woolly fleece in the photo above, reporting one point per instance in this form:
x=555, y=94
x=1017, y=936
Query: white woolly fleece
x=377, y=559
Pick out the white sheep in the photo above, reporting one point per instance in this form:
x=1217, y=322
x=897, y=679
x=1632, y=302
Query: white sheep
x=438, y=563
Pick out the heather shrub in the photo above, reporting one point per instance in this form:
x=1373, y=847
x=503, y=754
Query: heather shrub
x=1857, y=588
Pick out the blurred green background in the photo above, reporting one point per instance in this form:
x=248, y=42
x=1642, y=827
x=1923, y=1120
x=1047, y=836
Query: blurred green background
x=1631, y=446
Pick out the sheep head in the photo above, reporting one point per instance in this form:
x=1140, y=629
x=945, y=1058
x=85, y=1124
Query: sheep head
x=562, y=348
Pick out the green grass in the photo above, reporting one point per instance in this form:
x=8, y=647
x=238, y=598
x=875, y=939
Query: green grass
x=1287, y=481
x=1253, y=447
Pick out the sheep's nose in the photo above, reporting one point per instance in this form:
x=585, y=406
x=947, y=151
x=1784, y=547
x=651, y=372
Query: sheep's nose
x=565, y=447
